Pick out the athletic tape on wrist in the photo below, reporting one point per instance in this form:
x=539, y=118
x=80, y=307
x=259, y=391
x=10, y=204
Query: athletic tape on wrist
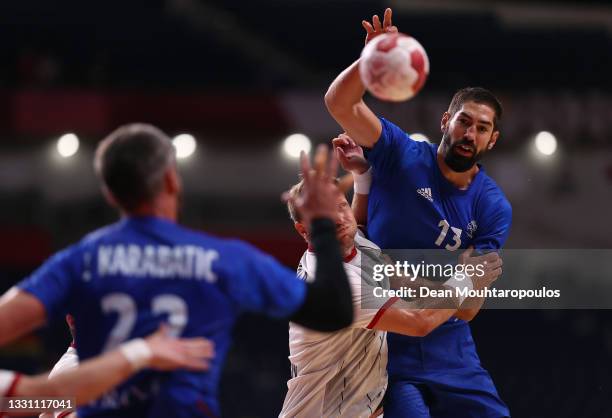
x=362, y=182
x=137, y=352
x=455, y=283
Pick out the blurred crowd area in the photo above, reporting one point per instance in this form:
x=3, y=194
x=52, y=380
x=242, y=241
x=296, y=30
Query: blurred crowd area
x=241, y=76
x=273, y=44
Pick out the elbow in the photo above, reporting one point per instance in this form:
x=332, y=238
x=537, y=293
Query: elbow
x=334, y=105
x=423, y=326
x=421, y=330
x=330, y=102
x=466, y=314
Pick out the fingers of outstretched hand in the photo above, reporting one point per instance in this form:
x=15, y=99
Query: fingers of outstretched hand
x=332, y=167
x=320, y=160
x=387, y=18
x=465, y=255
x=376, y=23
x=305, y=168
x=367, y=26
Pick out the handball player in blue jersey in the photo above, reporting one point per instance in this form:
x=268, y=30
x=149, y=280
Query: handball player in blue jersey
x=120, y=282
x=430, y=197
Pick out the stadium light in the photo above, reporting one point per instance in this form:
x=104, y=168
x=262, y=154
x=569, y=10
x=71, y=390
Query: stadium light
x=68, y=145
x=420, y=137
x=185, y=145
x=296, y=143
x=546, y=143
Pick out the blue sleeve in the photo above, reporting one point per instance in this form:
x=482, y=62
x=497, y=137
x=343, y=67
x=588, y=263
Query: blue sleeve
x=51, y=283
x=392, y=146
x=256, y=282
x=495, y=225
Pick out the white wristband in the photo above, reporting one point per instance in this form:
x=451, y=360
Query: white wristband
x=455, y=283
x=137, y=353
x=362, y=182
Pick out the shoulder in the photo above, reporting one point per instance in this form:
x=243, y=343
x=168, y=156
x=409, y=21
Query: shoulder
x=395, y=138
x=362, y=242
x=492, y=195
x=100, y=233
x=492, y=200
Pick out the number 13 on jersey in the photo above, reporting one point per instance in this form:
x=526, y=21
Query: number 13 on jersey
x=456, y=236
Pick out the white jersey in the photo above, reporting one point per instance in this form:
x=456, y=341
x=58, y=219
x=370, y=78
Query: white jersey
x=343, y=373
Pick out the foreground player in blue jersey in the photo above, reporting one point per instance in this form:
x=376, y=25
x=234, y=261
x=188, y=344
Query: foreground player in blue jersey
x=122, y=281
x=428, y=197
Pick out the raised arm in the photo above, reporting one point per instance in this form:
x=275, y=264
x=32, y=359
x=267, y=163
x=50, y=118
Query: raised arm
x=344, y=98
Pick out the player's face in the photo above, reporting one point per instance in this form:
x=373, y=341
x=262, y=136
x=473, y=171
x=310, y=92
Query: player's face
x=468, y=135
x=346, y=225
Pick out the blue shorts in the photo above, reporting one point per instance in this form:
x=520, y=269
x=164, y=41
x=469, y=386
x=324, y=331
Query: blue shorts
x=468, y=393
x=440, y=376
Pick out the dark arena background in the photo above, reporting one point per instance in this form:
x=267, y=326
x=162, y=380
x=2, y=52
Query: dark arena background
x=232, y=80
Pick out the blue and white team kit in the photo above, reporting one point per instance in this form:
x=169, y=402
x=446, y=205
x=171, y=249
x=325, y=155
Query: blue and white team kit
x=413, y=206
x=124, y=280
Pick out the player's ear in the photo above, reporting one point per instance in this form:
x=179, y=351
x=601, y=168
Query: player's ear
x=493, y=140
x=110, y=199
x=444, y=122
x=172, y=182
x=301, y=229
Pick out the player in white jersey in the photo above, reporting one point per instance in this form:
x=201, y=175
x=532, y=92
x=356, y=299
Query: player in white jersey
x=93, y=377
x=344, y=373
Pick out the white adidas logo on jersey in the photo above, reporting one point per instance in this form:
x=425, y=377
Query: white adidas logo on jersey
x=426, y=193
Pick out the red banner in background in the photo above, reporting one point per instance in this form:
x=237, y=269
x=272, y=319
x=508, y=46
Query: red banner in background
x=43, y=113
x=23, y=246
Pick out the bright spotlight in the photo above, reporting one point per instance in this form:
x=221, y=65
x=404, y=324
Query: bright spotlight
x=67, y=145
x=185, y=145
x=419, y=137
x=546, y=143
x=296, y=143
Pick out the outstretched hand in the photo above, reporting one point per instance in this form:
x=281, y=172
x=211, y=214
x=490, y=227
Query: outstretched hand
x=318, y=198
x=375, y=28
x=169, y=353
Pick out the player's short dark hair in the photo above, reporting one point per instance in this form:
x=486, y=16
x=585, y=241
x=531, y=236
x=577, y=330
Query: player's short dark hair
x=477, y=95
x=131, y=163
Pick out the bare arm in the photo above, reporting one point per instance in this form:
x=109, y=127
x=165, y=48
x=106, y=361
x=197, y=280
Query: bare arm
x=344, y=98
x=86, y=382
x=413, y=322
x=344, y=101
x=94, y=377
x=20, y=313
x=360, y=208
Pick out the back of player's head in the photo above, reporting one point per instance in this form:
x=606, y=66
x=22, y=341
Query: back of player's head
x=131, y=163
x=476, y=95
